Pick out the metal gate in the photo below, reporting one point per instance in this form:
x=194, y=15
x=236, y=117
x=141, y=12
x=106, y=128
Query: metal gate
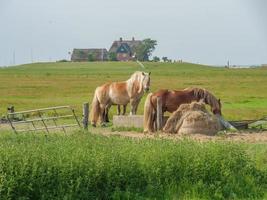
x=43, y=119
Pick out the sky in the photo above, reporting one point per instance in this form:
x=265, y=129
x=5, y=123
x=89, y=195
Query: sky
x=207, y=31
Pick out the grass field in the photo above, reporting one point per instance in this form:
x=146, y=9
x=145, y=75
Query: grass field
x=242, y=91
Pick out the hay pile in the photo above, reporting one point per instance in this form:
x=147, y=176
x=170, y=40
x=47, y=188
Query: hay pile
x=192, y=119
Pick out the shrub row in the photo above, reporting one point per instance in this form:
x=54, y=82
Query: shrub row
x=87, y=166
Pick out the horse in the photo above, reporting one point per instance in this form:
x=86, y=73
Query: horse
x=119, y=93
x=172, y=99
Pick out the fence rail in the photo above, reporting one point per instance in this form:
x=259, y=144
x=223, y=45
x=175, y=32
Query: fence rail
x=43, y=119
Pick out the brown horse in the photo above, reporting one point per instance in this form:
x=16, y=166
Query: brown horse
x=119, y=93
x=172, y=99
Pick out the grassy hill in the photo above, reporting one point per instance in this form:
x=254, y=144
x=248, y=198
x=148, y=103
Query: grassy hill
x=242, y=91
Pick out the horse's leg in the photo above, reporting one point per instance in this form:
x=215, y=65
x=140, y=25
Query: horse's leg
x=124, y=109
x=154, y=122
x=134, y=108
x=118, y=110
x=136, y=105
x=106, y=119
x=102, y=114
x=131, y=106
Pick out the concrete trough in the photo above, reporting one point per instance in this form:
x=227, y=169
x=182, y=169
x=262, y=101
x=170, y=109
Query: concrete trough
x=131, y=121
x=128, y=121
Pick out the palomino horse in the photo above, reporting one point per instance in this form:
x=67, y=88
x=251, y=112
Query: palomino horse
x=172, y=99
x=119, y=93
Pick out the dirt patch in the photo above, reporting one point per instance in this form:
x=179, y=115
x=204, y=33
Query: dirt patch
x=251, y=137
x=5, y=126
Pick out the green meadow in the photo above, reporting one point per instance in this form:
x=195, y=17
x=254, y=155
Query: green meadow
x=242, y=91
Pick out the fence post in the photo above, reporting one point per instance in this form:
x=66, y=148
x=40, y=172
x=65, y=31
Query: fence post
x=159, y=113
x=11, y=109
x=10, y=118
x=85, y=115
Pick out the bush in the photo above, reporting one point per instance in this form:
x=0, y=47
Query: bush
x=63, y=60
x=156, y=59
x=112, y=56
x=91, y=57
x=85, y=166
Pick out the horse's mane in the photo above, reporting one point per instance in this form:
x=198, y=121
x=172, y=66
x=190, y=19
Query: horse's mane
x=204, y=94
x=133, y=80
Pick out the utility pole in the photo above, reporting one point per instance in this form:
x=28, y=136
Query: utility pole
x=31, y=56
x=69, y=54
x=14, y=57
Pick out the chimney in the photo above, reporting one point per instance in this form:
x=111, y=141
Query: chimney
x=132, y=38
x=120, y=39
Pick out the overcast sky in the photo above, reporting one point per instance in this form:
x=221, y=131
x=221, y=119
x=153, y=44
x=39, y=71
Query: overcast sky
x=200, y=31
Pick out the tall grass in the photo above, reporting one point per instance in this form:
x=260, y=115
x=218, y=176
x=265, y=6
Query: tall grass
x=87, y=166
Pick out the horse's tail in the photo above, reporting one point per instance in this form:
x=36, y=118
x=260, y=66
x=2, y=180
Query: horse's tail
x=95, y=109
x=148, y=115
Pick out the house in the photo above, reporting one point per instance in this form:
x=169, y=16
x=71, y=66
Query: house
x=124, y=49
x=79, y=55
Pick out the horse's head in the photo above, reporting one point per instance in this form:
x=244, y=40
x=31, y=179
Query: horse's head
x=216, y=108
x=209, y=99
x=146, y=81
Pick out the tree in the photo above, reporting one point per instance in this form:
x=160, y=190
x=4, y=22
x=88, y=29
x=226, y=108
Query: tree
x=82, y=55
x=156, y=59
x=145, y=49
x=112, y=56
x=165, y=59
x=91, y=57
